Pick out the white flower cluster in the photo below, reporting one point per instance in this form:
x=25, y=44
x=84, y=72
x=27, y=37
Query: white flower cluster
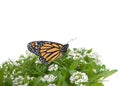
x=95, y=55
x=97, y=58
x=78, y=78
x=73, y=55
x=51, y=85
x=16, y=72
x=5, y=66
x=53, y=67
x=76, y=54
x=81, y=53
x=18, y=81
x=48, y=78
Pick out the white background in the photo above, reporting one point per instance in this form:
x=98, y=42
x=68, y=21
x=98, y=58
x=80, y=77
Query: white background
x=96, y=24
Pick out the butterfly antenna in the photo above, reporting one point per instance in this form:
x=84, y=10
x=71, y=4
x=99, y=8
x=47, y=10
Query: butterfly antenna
x=71, y=40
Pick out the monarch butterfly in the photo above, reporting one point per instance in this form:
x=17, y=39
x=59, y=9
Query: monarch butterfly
x=47, y=51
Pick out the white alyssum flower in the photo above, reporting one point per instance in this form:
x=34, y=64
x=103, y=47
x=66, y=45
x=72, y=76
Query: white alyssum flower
x=73, y=55
x=53, y=67
x=19, y=72
x=16, y=64
x=30, y=78
x=82, y=60
x=13, y=72
x=51, y=85
x=12, y=77
x=96, y=57
x=98, y=61
x=81, y=84
x=78, y=78
x=68, y=57
x=18, y=81
x=76, y=54
x=76, y=57
x=38, y=62
x=22, y=61
x=48, y=78
x=83, y=52
x=5, y=76
x=5, y=66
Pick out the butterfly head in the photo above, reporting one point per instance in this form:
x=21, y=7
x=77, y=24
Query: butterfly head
x=64, y=48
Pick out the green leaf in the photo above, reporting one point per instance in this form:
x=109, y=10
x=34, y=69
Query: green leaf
x=89, y=51
x=64, y=84
x=74, y=65
x=1, y=77
x=72, y=71
x=108, y=73
x=60, y=79
x=37, y=82
x=8, y=81
x=104, y=74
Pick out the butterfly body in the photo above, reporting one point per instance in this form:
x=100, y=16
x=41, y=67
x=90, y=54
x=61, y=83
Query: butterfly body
x=47, y=51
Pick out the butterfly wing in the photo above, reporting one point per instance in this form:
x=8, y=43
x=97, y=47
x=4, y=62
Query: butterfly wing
x=50, y=51
x=34, y=47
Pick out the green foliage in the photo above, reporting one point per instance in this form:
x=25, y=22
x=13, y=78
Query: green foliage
x=79, y=67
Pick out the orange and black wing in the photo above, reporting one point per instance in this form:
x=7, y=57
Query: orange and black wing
x=50, y=52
